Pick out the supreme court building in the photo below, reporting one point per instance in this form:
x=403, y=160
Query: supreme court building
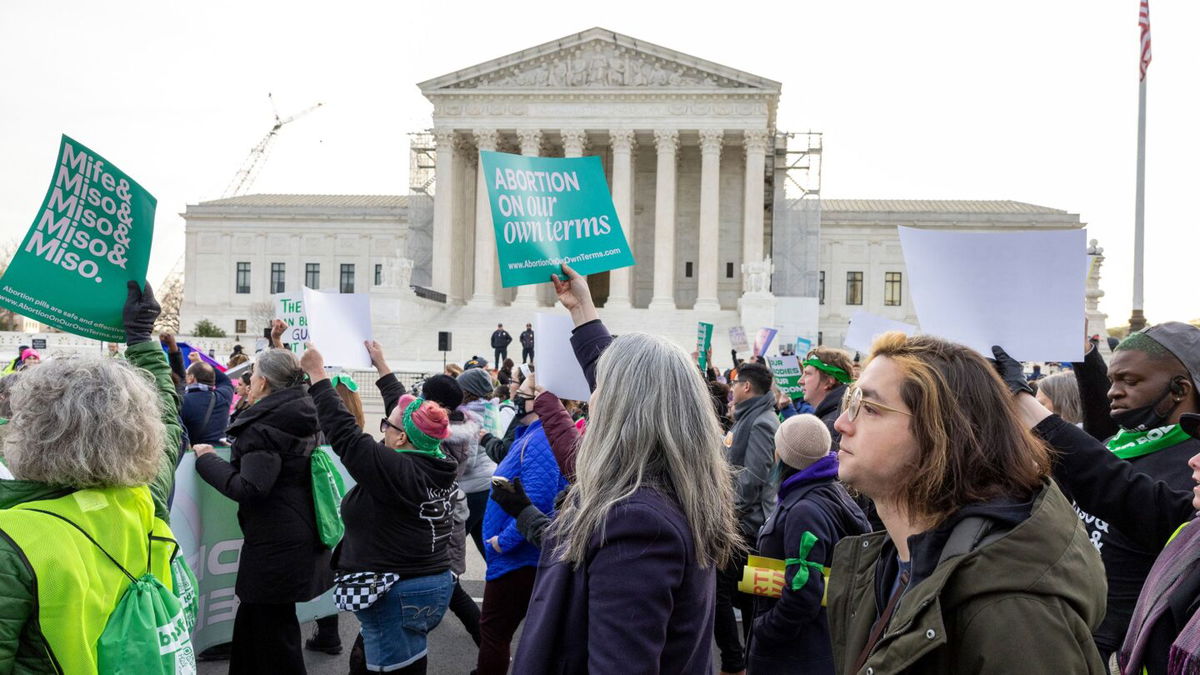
x=697, y=169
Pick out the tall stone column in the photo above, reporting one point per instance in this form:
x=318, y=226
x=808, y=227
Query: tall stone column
x=752, y=219
x=531, y=146
x=666, y=143
x=710, y=216
x=620, y=291
x=485, y=236
x=442, y=261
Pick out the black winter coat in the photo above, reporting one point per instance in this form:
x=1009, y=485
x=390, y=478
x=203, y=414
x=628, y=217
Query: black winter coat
x=268, y=475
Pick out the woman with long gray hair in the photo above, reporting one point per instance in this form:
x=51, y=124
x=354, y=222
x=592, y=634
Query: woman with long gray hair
x=282, y=561
x=628, y=567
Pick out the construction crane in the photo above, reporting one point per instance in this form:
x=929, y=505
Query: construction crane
x=245, y=176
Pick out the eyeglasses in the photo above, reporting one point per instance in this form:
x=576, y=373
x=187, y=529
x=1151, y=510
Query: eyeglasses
x=384, y=424
x=853, y=400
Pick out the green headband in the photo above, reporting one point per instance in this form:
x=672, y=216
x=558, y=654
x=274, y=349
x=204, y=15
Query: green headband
x=422, y=441
x=344, y=380
x=832, y=371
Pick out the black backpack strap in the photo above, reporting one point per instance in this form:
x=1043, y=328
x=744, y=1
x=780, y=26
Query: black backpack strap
x=89, y=537
x=971, y=533
x=208, y=413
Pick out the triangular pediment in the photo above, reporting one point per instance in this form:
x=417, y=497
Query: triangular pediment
x=598, y=59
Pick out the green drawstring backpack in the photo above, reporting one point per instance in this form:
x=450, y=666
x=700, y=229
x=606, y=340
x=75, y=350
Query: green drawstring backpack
x=149, y=630
x=328, y=489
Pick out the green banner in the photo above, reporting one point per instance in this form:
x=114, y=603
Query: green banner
x=206, y=526
x=90, y=237
x=787, y=371
x=548, y=211
x=703, y=343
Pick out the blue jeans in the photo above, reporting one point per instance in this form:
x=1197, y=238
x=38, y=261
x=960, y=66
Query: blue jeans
x=394, y=628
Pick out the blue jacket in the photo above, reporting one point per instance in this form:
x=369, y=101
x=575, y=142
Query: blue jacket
x=195, y=403
x=531, y=460
x=798, y=407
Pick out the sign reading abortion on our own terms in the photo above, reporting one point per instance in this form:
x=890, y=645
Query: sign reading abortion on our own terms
x=548, y=211
x=90, y=237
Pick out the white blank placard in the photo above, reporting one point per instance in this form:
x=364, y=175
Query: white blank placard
x=1021, y=290
x=865, y=327
x=557, y=369
x=338, y=324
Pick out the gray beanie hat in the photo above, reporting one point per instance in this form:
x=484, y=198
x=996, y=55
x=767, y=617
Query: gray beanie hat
x=802, y=440
x=476, y=381
x=1183, y=341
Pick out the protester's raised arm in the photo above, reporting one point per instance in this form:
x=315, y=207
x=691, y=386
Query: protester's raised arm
x=140, y=312
x=590, y=337
x=1092, y=377
x=574, y=294
x=1146, y=510
x=560, y=431
x=174, y=355
x=277, y=329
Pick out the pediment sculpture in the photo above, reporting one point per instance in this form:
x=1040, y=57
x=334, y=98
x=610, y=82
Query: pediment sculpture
x=598, y=65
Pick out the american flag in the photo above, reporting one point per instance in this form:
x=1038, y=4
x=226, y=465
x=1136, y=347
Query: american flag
x=1144, y=24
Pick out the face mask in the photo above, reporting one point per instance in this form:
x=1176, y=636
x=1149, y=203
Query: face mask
x=519, y=402
x=1145, y=417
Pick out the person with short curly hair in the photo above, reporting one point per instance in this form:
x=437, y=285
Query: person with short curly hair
x=92, y=444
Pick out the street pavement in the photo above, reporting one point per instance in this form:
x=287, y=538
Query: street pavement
x=451, y=651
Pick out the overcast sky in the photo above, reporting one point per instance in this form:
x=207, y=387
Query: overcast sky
x=1022, y=100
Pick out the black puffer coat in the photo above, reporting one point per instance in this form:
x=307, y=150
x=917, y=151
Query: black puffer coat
x=268, y=475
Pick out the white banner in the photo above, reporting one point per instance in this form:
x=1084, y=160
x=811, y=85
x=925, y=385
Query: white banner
x=1021, y=290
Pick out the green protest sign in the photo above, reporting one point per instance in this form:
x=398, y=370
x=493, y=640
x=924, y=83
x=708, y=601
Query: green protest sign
x=548, y=211
x=787, y=371
x=90, y=237
x=703, y=342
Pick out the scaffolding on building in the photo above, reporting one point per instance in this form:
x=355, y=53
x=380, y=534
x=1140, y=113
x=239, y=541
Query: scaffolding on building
x=796, y=214
x=422, y=183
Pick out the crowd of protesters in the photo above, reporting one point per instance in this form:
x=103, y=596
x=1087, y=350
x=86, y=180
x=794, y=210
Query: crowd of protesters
x=920, y=510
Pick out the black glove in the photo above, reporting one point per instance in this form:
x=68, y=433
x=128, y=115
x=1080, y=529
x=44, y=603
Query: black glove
x=1011, y=371
x=141, y=311
x=511, y=498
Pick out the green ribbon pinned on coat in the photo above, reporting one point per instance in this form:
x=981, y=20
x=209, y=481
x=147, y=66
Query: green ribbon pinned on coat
x=807, y=541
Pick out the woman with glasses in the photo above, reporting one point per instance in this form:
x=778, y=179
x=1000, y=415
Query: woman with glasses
x=394, y=561
x=983, y=565
x=282, y=560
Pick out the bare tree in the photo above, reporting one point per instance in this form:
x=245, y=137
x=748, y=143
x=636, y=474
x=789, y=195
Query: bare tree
x=9, y=320
x=170, y=298
x=261, y=313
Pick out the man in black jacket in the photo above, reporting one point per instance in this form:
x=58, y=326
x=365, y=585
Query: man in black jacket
x=750, y=448
x=500, y=342
x=1135, y=406
x=527, y=344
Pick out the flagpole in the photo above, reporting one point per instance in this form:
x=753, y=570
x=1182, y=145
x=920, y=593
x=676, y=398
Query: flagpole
x=1137, y=320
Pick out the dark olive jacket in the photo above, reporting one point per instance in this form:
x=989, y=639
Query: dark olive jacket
x=1022, y=600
